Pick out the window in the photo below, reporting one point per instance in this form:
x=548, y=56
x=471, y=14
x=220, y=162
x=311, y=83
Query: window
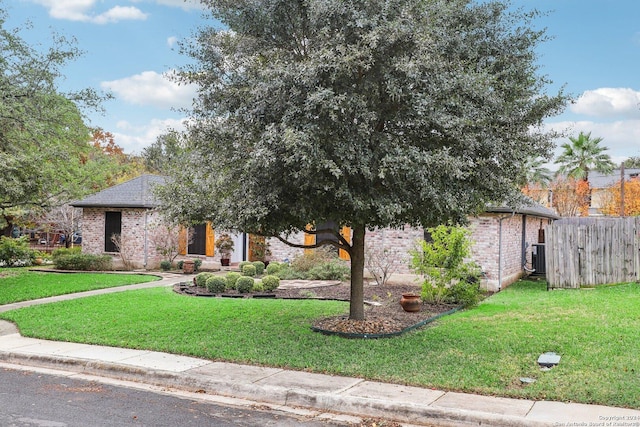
x=112, y=225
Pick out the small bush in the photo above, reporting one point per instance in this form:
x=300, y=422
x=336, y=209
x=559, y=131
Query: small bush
x=197, y=263
x=310, y=259
x=165, y=265
x=244, y=284
x=242, y=264
x=329, y=270
x=201, y=279
x=65, y=251
x=83, y=262
x=15, y=252
x=257, y=286
x=216, y=284
x=259, y=265
x=231, y=278
x=287, y=273
x=273, y=267
x=464, y=293
x=270, y=283
x=249, y=270
x=433, y=294
x=180, y=264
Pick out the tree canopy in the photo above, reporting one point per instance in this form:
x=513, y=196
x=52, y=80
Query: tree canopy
x=365, y=113
x=44, y=142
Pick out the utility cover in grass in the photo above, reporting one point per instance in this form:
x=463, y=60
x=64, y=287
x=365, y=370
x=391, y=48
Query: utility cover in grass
x=549, y=359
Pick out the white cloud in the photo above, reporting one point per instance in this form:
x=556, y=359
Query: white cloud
x=608, y=102
x=171, y=41
x=133, y=138
x=82, y=10
x=184, y=4
x=151, y=88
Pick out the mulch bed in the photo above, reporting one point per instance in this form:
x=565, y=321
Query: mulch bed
x=383, y=313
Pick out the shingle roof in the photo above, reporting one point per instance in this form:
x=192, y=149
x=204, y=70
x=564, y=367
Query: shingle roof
x=534, y=209
x=136, y=193
x=599, y=180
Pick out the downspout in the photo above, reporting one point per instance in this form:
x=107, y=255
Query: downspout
x=523, y=242
x=500, y=247
x=146, y=251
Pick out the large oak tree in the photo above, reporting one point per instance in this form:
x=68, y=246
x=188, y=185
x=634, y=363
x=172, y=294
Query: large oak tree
x=44, y=143
x=364, y=113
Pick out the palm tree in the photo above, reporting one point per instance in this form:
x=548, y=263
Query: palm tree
x=535, y=172
x=582, y=156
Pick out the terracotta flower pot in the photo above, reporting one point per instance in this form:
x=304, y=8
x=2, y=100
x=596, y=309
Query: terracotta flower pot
x=411, y=302
x=188, y=266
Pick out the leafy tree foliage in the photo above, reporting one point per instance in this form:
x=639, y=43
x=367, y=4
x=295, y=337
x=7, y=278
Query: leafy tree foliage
x=632, y=162
x=164, y=152
x=612, y=199
x=570, y=196
x=44, y=143
x=365, y=113
x=583, y=155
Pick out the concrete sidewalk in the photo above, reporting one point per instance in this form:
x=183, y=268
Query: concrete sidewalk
x=279, y=387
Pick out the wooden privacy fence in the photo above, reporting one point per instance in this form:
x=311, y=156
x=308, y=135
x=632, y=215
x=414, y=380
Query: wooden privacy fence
x=592, y=251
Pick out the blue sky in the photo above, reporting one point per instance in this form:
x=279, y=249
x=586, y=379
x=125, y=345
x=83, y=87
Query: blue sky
x=130, y=44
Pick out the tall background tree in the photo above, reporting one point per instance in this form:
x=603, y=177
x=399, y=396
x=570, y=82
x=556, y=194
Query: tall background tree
x=44, y=143
x=582, y=155
x=365, y=114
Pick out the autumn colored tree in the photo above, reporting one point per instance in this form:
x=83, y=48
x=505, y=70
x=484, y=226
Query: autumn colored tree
x=122, y=167
x=570, y=196
x=611, y=198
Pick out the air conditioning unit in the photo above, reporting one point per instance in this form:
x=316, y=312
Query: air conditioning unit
x=538, y=260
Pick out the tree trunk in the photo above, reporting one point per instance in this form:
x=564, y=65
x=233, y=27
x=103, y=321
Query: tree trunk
x=356, y=306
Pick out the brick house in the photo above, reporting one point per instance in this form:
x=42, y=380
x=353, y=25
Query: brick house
x=503, y=239
x=503, y=242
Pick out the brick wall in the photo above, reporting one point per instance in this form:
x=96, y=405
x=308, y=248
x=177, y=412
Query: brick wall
x=485, y=237
x=135, y=223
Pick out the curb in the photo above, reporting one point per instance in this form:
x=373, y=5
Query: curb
x=418, y=414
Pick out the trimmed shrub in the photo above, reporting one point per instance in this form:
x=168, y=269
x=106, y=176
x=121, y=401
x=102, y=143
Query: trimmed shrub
x=329, y=270
x=249, y=270
x=270, y=283
x=180, y=264
x=65, y=251
x=83, y=262
x=216, y=284
x=241, y=264
x=201, y=279
x=257, y=286
x=273, y=267
x=244, y=284
x=15, y=252
x=259, y=265
x=232, y=277
x=197, y=263
x=165, y=265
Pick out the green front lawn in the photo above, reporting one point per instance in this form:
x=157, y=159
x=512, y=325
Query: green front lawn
x=20, y=284
x=484, y=350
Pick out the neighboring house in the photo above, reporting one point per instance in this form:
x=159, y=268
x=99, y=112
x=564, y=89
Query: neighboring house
x=503, y=239
x=600, y=185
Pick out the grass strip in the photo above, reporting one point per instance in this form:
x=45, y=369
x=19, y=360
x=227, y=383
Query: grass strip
x=484, y=350
x=20, y=284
